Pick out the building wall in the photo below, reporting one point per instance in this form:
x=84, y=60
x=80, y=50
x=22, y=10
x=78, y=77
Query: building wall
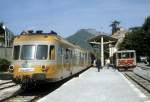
x=120, y=35
x=6, y=53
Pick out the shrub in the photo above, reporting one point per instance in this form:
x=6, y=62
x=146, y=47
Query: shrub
x=4, y=64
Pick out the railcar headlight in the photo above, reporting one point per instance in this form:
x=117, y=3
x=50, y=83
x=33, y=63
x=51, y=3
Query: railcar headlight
x=44, y=68
x=11, y=68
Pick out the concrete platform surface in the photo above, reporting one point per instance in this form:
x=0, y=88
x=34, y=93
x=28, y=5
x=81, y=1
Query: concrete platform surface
x=92, y=86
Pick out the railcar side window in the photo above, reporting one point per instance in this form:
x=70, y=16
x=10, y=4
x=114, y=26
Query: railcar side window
x=16, y=52
x=132, y=54
x=52, y=52
x=71, y=53
x=28, y=52
x=60, y=50
x=41, y=52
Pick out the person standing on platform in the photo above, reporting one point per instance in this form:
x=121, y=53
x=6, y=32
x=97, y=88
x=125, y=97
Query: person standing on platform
x=98, y=64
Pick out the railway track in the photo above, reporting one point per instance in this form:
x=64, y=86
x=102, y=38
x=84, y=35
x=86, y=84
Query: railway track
x=10, y=92
x=31, y=95
x=21, y=97
x=144, y=67
x=7, y=89
x=15, y=94
x=5, y=82
x=141, y=81
x=4, y=86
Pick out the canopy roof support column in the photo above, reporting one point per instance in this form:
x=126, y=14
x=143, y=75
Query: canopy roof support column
x=102, y=51
x=110, y=50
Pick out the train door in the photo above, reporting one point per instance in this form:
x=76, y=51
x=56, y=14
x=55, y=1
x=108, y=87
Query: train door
x=60, y=58
x=68, y=59
x=52, y=54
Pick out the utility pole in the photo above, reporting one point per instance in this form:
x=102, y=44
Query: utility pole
x=5, y=37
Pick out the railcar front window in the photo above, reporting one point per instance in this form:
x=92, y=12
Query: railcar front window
x=41, y=52
x=28, y=52
x=16, y=52
x=125, y=55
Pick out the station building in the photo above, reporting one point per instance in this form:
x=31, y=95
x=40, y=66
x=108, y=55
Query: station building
x=6, y=36
x=6, y=42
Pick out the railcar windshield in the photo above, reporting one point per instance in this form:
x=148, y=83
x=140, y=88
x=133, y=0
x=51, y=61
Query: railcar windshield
x=41, y=52
x=28, y=52
x=125, y=55
x=16, y=52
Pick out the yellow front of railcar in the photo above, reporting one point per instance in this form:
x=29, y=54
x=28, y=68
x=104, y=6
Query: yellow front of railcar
x=34, y=58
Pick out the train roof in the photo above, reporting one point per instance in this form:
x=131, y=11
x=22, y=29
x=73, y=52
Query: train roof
x=39, y=36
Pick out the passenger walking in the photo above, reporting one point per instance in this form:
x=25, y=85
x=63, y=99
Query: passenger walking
x=98, y=64
x=107, y=63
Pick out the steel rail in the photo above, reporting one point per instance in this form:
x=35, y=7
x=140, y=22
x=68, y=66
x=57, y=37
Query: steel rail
x=137, y=82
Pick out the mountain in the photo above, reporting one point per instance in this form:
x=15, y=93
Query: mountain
x=80, y=38
x=92, y=31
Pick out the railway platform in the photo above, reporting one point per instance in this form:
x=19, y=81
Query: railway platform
x=108, y=85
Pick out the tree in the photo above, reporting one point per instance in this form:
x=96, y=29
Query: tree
x=146, y=25
x=1, y=28
x=114, y=26
x=1, y=23
x=138, y=39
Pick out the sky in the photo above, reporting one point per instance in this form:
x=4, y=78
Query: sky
x=68, y=16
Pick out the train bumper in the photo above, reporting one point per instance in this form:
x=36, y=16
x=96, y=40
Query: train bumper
x=39, y=76
x=35, y=77
x=126, y=66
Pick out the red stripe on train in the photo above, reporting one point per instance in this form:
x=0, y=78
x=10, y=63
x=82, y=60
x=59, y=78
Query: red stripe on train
x=126, y=62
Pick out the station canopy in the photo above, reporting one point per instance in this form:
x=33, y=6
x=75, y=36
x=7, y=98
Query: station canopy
x=106, y=39
x=102, y=40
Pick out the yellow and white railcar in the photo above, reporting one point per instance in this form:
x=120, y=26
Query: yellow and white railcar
x=45, y=57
